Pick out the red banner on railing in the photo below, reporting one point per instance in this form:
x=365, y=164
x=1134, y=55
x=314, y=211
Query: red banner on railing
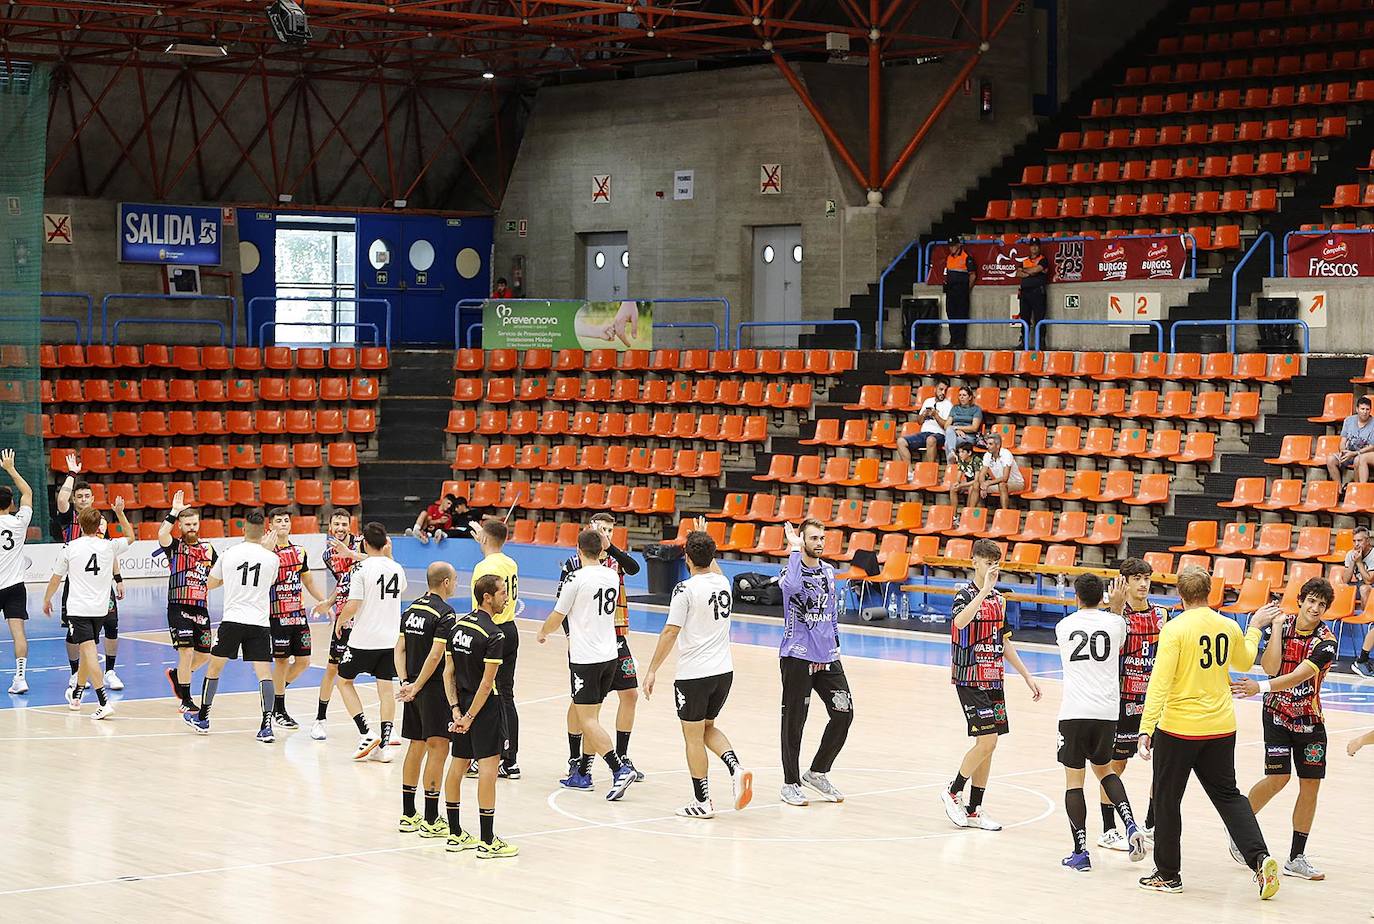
x=1331, y=256
x=1075, y=261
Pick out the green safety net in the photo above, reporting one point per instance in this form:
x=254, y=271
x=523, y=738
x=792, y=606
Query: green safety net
x=23, y=139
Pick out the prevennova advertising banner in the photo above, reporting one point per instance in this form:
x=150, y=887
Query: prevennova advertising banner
x=139, y=560
x=1164, y=257
x=181, y=234
x=1331, y=256
x=534, y=324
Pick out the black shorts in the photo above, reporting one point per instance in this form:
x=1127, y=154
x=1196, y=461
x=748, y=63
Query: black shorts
x=338, y=644
x=702, y=698
x=1127, y=730
x=379, y=662
x=81, y=629
x=255, y=641
x=189, y=626
x=485, y=738
x=985, y=711
x=1083, y=741
x=290, y=640
x=1286, y=750
x=592, y=683
x=626, y=674
x=14, y=602
x=427, y=715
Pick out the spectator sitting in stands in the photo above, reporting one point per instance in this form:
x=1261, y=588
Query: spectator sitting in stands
x=965, y=422
x=934, y=418
x=967, y=464
x=465, y=521
x=1000, y=474
x=502, y=289
x=1359, y=574
x=1357, y=444
x=435, y=520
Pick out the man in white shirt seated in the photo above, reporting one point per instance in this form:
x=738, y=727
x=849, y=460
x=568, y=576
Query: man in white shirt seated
x=1000, y=475
x=934, y=418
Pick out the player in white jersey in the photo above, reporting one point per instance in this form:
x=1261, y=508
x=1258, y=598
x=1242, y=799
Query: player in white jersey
x=699, y=624
x=88, y=564
x=247, y=572
x=374, y=607
x=14, y=529
x=588, y=601
x=1090, y=641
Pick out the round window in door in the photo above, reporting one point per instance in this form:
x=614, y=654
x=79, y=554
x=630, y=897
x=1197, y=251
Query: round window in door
x=625, y=259
x=599, y=260
x=796, y=253
x=768, y=253
x=421, y=256
x=468, y=263
x=379, y=254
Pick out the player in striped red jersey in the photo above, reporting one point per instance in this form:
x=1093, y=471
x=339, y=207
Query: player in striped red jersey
x=188, y=572
x=342, y=552
x=1130, y=596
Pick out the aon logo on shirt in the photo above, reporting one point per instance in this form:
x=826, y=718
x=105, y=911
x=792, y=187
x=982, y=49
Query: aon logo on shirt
x=415, y=621
x=462, y=641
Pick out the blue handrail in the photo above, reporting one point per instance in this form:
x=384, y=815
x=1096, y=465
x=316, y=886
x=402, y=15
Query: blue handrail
x=711, y=324
x=163, y=297
x=471, y=327
x=1285, y=322
x=708, y=299
x=858, y=330
x=1292, y=234
x=1002, y=322
x=1235, y=284
x=327, y=299
x=1159, y=328
x=357, y=325
x=1192, y=264
x=458, y=307
x=72, y=321
x=82, y=296
x=882, y=284
x=114, y=332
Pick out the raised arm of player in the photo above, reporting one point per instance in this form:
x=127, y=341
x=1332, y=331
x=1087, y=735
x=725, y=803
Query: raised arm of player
x=666, y=640
x=625, y=560
x=1245, y=650
x=64, y=493
x=1272, y=662
x=125, y=526
x=970, y=610
x=164, y=531
x=1010, y=653
x=25, y=492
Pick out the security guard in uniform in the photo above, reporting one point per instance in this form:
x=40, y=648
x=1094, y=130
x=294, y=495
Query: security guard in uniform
x=960, y=275
x=1034, y=273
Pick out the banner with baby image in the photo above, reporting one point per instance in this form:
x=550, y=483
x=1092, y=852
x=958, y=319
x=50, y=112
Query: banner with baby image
x=567, y=324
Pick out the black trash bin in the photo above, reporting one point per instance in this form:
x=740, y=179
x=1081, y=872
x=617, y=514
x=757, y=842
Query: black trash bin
x=921, y=308
x=666, y=569
x=1278, y=338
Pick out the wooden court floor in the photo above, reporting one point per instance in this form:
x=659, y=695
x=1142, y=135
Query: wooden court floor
x=137, y=819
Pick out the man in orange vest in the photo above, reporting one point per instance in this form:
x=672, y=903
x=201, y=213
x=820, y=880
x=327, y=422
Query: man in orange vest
x=1034, y=273
x=960, y=276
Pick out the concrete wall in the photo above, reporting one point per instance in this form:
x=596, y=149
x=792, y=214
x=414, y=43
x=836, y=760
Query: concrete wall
x=1349, y=314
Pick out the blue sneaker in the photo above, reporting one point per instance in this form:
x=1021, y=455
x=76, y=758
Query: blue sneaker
x=1078, y=862
x=621, y=782
x=193, y=719
x=575, y=780
x=1135, y=838
x=265, y=734
x=639, y=774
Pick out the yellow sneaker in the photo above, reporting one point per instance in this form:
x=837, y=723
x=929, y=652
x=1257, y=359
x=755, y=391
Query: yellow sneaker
x=437, y=828
x=1268, y=878
x=409, y=824
x=461, y=841
x=496, y=849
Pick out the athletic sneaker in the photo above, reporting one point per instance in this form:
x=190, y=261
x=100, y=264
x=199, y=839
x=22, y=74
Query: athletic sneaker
x=1113, y=840
x=436, y=828
x=319, y=731
x=104, y=712
x=409, y=824
x=20, y=685
x=1236, y=854
x=508, y=773
x=382, y=754
x=184, y=708
x=74, y=699
x=1149, y=836
x=284, y=720
x=472, y=770
x=71, y=686
x=1078, y=862
x=1155, y=882
x=171, y=674
x=576, y=780
x=193, y=719
x=620, y=782
x=697, y=810
x=265, y=734
x=1363, y=668
x=1300, y=866
x=954, y=808
x=982, y=822
x=1136, y=842
x=792, y=794
x=496, y=850
x=461, y=841
x=742, y=783
x=820, y=784
x=1267, y=877
x=366, y=745
x=639, y=774
x=113, y=682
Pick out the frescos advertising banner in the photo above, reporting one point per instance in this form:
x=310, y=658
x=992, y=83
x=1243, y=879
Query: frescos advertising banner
x=1331, y=256
x=531, y=324
x=1075, y=261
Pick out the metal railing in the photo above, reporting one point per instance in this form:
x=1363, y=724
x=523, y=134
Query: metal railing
x=323, y=299
x=858, y=330
x=114, y=332
x=1283, y=322
x=941, y=322
x=81, y=296
x=1235, y=284
x=356, y=325
x=703, y=300
x=711, y=324
x=72, y=321
x=163, y=297
x=882, y=285
x=471, y=327
x=1158, y=327
x=1292, y=234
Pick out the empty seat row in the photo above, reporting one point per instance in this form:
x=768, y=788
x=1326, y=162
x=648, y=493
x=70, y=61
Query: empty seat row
x=730, y=428
x=212, y=359
x=728, y=392
x=207, y=457
x=597, y=457
x=99, y=425
x=550, y=495
x=208, y=391
x=618, y=498
x=1217, y=40
x=1286, y=495
x=1203, y=13
x=1128, y=205
x=1348, y=197
x=742, y=362
x=1201, y=133
x=1314, y=543
x=1286, y=96
x=1188, y=72
x=157, y=495
x=551, y=532
x=1167, y=169
x=1050, y=401
x=1100, y=366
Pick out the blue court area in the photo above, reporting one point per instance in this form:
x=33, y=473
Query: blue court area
x=145, y=651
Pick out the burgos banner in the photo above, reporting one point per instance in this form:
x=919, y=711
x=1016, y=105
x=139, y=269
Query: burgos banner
x=183, y=234
x=534, y=324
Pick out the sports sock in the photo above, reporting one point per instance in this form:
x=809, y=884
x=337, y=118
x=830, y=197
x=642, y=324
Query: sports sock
x=1361, y=657
x=574, y=745
x=1116, y=791
x=322, y=710
x=622, y=742
x=957, y=786
x=20, y=665
x=1150, y=813
x=100, y=695
x=207, y=695
x=110, y=662
x=975, y=798
x=612, y=760
x=700, y=790
x=75, y=664
x=265, y=691
x=386, y=733
x=407, y=800
x=731, y=761
x=451, y=809
x=279, y=703
x=584, y=764
x=1108, y=817
x=1077, y=808
x=487, y=819
x=1299, y=844
x=360, y=720
x=431, y=805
